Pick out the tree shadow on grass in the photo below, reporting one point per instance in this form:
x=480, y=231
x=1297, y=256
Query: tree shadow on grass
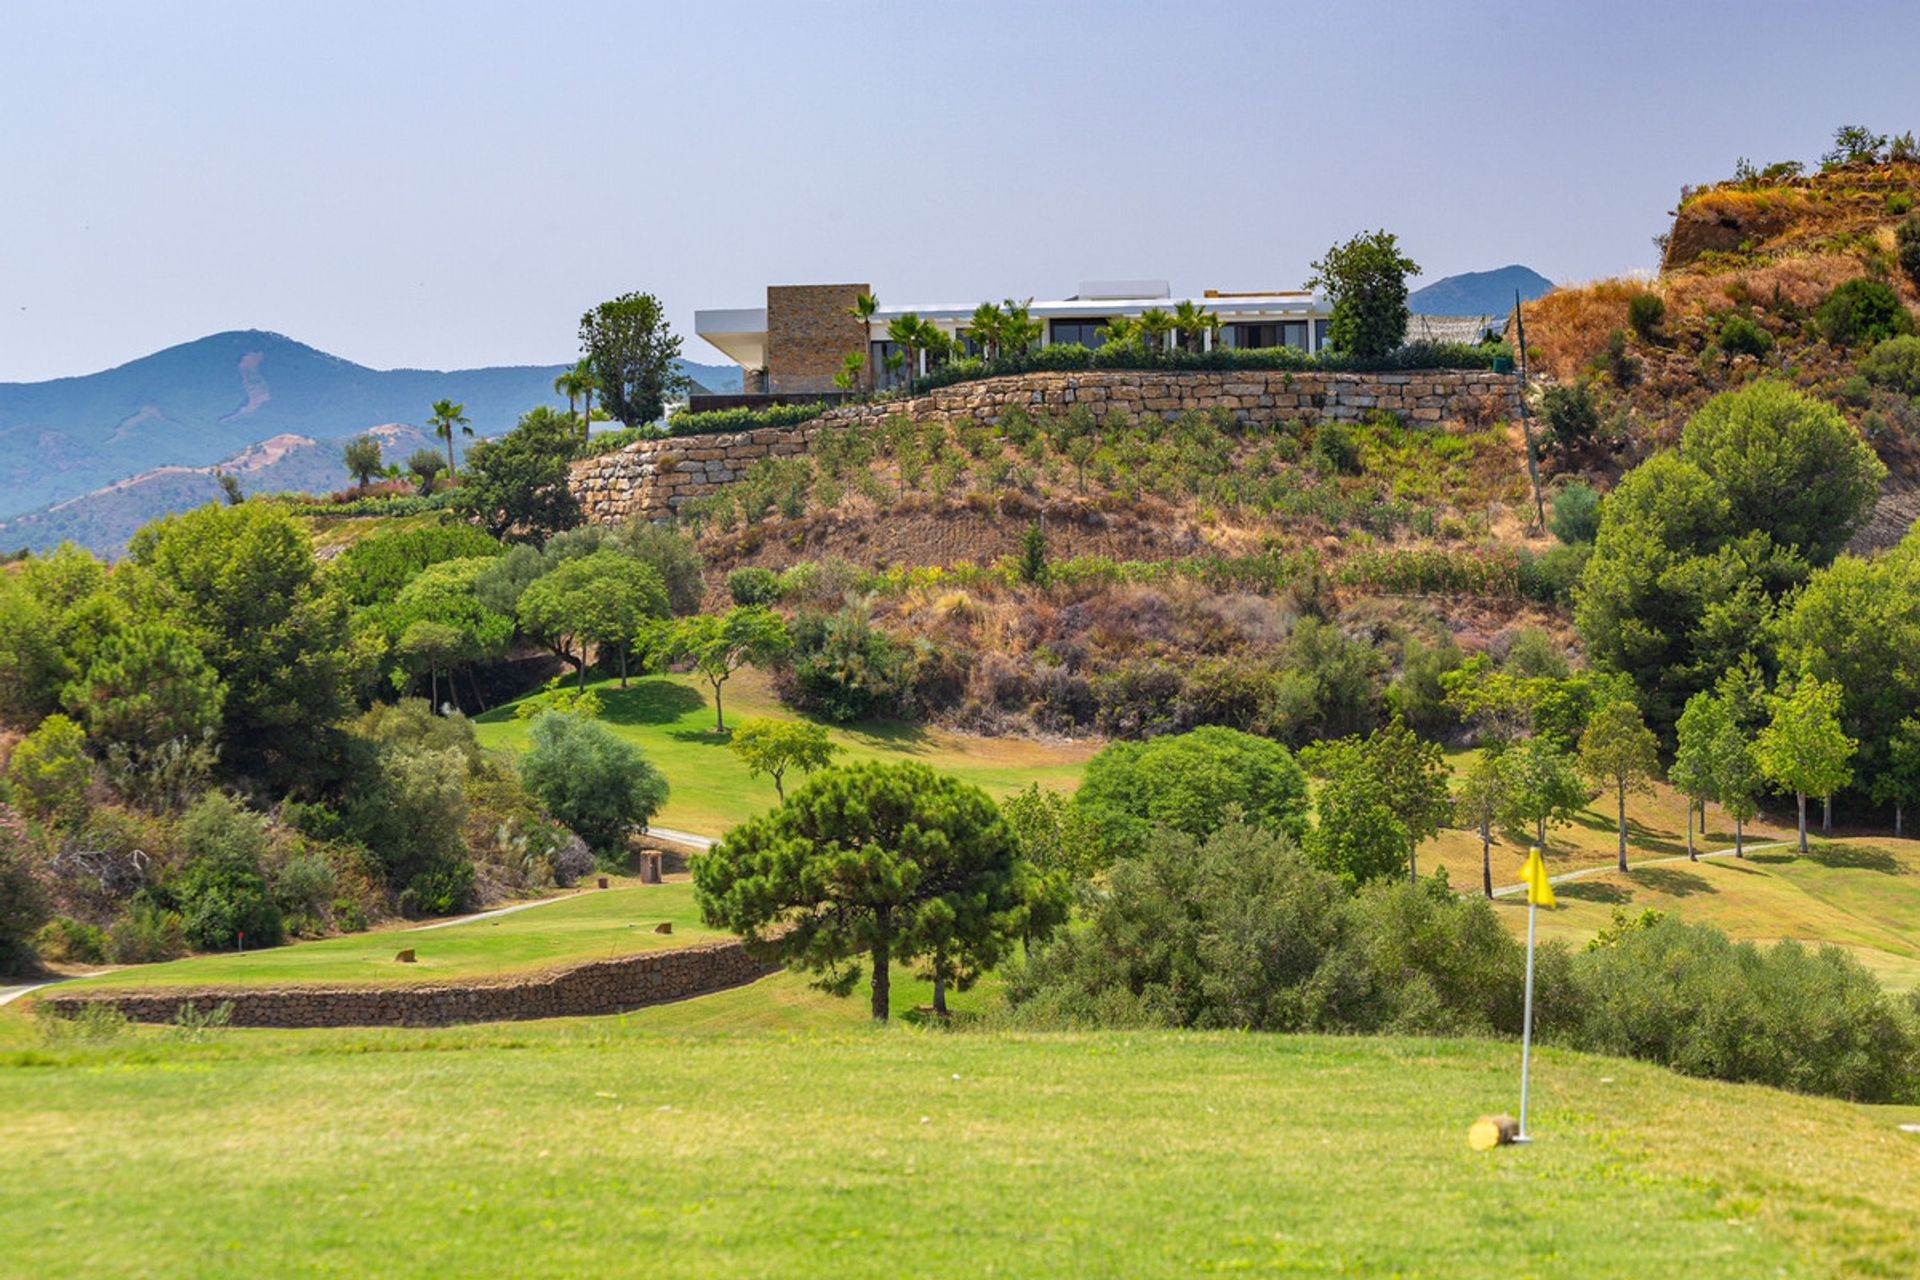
x=890, y=735
x=1593, y=891
x=1674, y=882
x=1857, y=858
x=648, y=702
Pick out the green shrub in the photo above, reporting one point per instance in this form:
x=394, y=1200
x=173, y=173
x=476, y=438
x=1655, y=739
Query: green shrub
x=720, y=421
x=1688, y=997
x=374, y=569
x=1623, y=368
x=1335, y=452
x=600, y=785
x=1576, y=513
x=1646, y=313
x=50, y=771
x=22, y=904
x=1740, y=336
x=1906, y=244
x=223, y=890
x=1193, y=782
x=1899, y=202
x=846, y=669
x=147, y=934
x=1863, y=311
x=1894, y=364
x=96, y=1022
x=1571, y=417
x=71, y=941
x=753, y=585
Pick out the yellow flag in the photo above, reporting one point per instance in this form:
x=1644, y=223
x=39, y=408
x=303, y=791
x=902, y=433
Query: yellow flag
x=1539, y=886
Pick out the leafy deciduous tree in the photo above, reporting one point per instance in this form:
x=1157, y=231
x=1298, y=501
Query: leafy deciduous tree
x=1803, y=749
x=1366, y=281
x=634, y=355
x=1619, y=753
x=720, y=644
x=774, y=747
x=599, y=785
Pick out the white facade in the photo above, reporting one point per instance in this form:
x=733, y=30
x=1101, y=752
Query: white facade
x=1264, y=319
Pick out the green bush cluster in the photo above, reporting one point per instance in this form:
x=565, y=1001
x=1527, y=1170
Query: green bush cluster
x=1238, y=929
x=1862, y=312
x=722, y=421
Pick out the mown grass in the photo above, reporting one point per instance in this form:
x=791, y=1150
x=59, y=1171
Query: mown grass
x=671, y=717
x=1862, y=895
x=591, y=925
x=634, y=1144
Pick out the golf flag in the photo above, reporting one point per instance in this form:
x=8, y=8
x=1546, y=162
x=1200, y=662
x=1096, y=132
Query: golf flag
x=1539, y=887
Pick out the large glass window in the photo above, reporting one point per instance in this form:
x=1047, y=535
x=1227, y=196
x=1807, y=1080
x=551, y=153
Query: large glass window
x=1255, y=335
x=1320, y=330
x=1294, y=334
x=1084, y=331
x=883, y=375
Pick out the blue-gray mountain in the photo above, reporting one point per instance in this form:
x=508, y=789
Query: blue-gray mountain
x=1478, y=293
x=205, y=402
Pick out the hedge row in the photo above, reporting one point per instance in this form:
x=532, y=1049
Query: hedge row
x=1130, y=357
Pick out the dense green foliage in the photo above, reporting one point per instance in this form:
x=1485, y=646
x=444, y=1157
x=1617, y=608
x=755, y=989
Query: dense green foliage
x=599, y=785
x=517, y=485
x=1192, y=782
x=1695, y=546
x=1366, y=281
x=881, y=863
x=632, y=350
x=373, y=570
x=1862, y=312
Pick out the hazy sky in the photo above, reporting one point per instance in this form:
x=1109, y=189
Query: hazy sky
x=447, y=185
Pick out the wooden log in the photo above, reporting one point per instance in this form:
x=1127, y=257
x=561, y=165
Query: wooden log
x=1489, y=1132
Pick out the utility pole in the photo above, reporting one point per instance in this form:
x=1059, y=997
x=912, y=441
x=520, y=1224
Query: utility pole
x=1526, y=413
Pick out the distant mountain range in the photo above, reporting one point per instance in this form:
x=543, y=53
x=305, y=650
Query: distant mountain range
x=91, y=458
x=1478, y=293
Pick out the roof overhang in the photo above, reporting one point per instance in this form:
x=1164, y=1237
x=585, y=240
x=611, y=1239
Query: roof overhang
x=740, y=333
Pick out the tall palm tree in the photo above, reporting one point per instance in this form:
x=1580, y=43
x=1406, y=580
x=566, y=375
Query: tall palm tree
x=445, y=417
x=1118, y=329
x=863, y=309
x=1194, y=323
x=578, y=385
x=1156, y=324
x=984, y=328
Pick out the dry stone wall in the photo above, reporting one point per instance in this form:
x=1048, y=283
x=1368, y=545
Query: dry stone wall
x=600, y=987
x=652, y=478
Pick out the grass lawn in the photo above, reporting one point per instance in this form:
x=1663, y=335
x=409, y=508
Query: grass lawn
x=645, y=1144
x=591, y=925
x=671, y=717
x=1656, y=827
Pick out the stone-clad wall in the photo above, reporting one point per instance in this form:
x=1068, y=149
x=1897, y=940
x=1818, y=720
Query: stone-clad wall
x=651, y=478
x=810, y=332
x=601, y=987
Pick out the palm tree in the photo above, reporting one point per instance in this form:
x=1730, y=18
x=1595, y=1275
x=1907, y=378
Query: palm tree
x=1118, y=329
x=984, y=328
x=1018, y=329
x=908, y=332
x=863, y=309
x=1194, y=323
x=1156, y=324
x=445, y=417
x=578, y=385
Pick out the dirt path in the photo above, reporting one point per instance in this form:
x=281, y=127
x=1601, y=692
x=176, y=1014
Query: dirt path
x=1564, y=877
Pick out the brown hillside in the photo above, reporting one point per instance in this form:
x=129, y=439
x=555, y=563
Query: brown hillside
x=1770, y=253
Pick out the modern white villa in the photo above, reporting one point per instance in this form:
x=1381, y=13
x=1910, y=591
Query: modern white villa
x=797, y=342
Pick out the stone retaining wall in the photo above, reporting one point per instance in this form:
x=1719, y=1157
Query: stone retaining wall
x=599, y=987
x=651, y=478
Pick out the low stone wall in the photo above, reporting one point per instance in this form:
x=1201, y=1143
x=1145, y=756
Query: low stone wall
x=599, y=987
x=652, y=478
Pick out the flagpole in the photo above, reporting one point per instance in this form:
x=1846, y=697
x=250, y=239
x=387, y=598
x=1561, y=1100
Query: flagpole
x=1526, y=1025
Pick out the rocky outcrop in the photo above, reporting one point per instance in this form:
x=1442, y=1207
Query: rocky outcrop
x=600, y=987
x=651, y=479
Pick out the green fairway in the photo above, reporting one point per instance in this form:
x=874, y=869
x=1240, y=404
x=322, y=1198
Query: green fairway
x=632, y=1144
x=593, y=924
x=671, y=717
x=1862, y=895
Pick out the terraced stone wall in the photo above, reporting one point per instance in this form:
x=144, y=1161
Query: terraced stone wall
x=652, y=478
